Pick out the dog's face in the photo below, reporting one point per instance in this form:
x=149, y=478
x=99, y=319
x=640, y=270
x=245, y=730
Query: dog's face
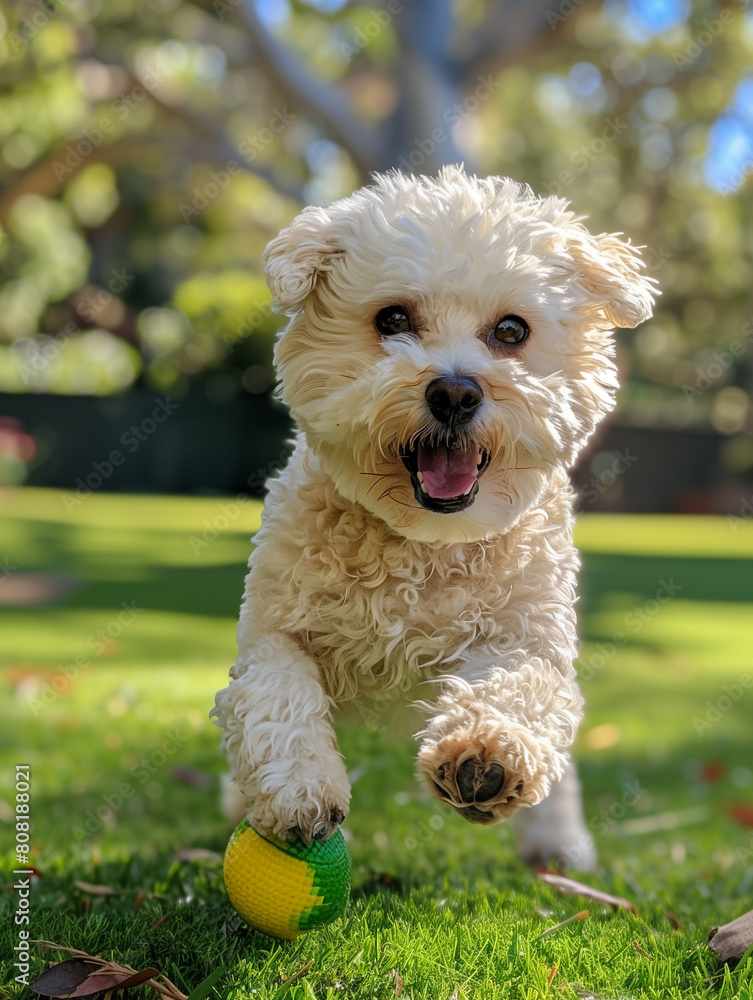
x=450, y=345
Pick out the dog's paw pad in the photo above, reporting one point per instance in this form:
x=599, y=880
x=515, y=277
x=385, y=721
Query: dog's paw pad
x=479, y=782
x=482, y=781
x=476, y=815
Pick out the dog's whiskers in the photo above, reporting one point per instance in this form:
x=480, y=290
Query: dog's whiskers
x=384, y=475
x=387, y=494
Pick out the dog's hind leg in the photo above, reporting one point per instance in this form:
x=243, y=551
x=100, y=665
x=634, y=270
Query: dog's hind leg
x=280, y=742
x=555, y=830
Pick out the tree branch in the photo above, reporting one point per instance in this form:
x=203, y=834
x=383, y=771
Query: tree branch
x=421, y=126
x=222, y=149
x=321, y=100
x=513, y=31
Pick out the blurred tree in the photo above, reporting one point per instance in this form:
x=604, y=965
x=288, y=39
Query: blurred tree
x=150, y=148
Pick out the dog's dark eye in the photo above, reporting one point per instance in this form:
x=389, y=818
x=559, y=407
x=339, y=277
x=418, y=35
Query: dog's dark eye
x=509, y=330
x=393, y=320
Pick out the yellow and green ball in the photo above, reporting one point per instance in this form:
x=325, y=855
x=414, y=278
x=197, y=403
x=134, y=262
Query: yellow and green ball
x=283, y=888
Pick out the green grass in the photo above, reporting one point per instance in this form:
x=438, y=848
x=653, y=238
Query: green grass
x=126, y=769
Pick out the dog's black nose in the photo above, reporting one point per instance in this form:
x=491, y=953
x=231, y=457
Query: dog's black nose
x=453, y=400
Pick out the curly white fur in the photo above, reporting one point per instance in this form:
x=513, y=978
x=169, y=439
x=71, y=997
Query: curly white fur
x=357, y=589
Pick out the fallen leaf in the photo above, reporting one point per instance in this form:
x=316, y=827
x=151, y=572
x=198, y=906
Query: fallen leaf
x=732, y=940
x=665, y=821
x=399, y=984
x=28, y=590
x=158, y=923
x=639, y=949
x=77, y=977
x=674, y=920
x=196, y=854
x=26, y=870
x=89, y=975
x=712, y=770
x=62, y=979
x=572, y=888
x=138, y=978
x=95, y=890
x=139, y=899
x=742, y=813
x=552, y=974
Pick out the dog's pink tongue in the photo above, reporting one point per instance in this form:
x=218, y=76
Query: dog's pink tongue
x=446, y=473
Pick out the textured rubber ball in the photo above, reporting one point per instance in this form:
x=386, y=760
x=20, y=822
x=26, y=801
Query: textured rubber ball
x=283, y=888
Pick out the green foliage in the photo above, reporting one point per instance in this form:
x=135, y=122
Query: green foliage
x=148, y=151
x=102, y=178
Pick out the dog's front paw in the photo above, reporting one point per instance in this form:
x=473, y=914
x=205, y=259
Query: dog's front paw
x=487, y=779
x=303, y=806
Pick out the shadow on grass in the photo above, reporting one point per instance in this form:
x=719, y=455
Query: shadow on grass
x=699, y=579
x=207, y=588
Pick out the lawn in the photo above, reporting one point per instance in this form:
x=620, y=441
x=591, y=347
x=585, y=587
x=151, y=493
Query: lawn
x=106, y=690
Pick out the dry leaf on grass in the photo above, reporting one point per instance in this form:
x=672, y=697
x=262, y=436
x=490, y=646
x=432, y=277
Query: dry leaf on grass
x=92, y=975
x=741, y=813
x=665, y=821
x=95, y=890
x=573, y=888
x=33, y=870
x=79, y=977
x=399, y=984
x=29, y=590
x=196, y=854
x=732, y=940
x=712, y=770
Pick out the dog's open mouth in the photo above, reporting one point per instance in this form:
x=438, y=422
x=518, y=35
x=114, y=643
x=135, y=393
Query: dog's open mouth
x=444, y=477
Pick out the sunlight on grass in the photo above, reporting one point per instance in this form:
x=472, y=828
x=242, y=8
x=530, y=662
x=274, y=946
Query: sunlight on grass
x=666, y=535
x=97, y=637
x=116, y=510
x=113, y=718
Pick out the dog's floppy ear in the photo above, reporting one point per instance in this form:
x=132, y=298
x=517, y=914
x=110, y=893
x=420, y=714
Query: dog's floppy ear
x=611, y=272
x=294, y=260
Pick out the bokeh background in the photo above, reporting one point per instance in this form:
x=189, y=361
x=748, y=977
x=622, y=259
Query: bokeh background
x=150, y=148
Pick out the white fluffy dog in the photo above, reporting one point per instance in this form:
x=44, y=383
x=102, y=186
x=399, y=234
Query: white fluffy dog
x=448, y=354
